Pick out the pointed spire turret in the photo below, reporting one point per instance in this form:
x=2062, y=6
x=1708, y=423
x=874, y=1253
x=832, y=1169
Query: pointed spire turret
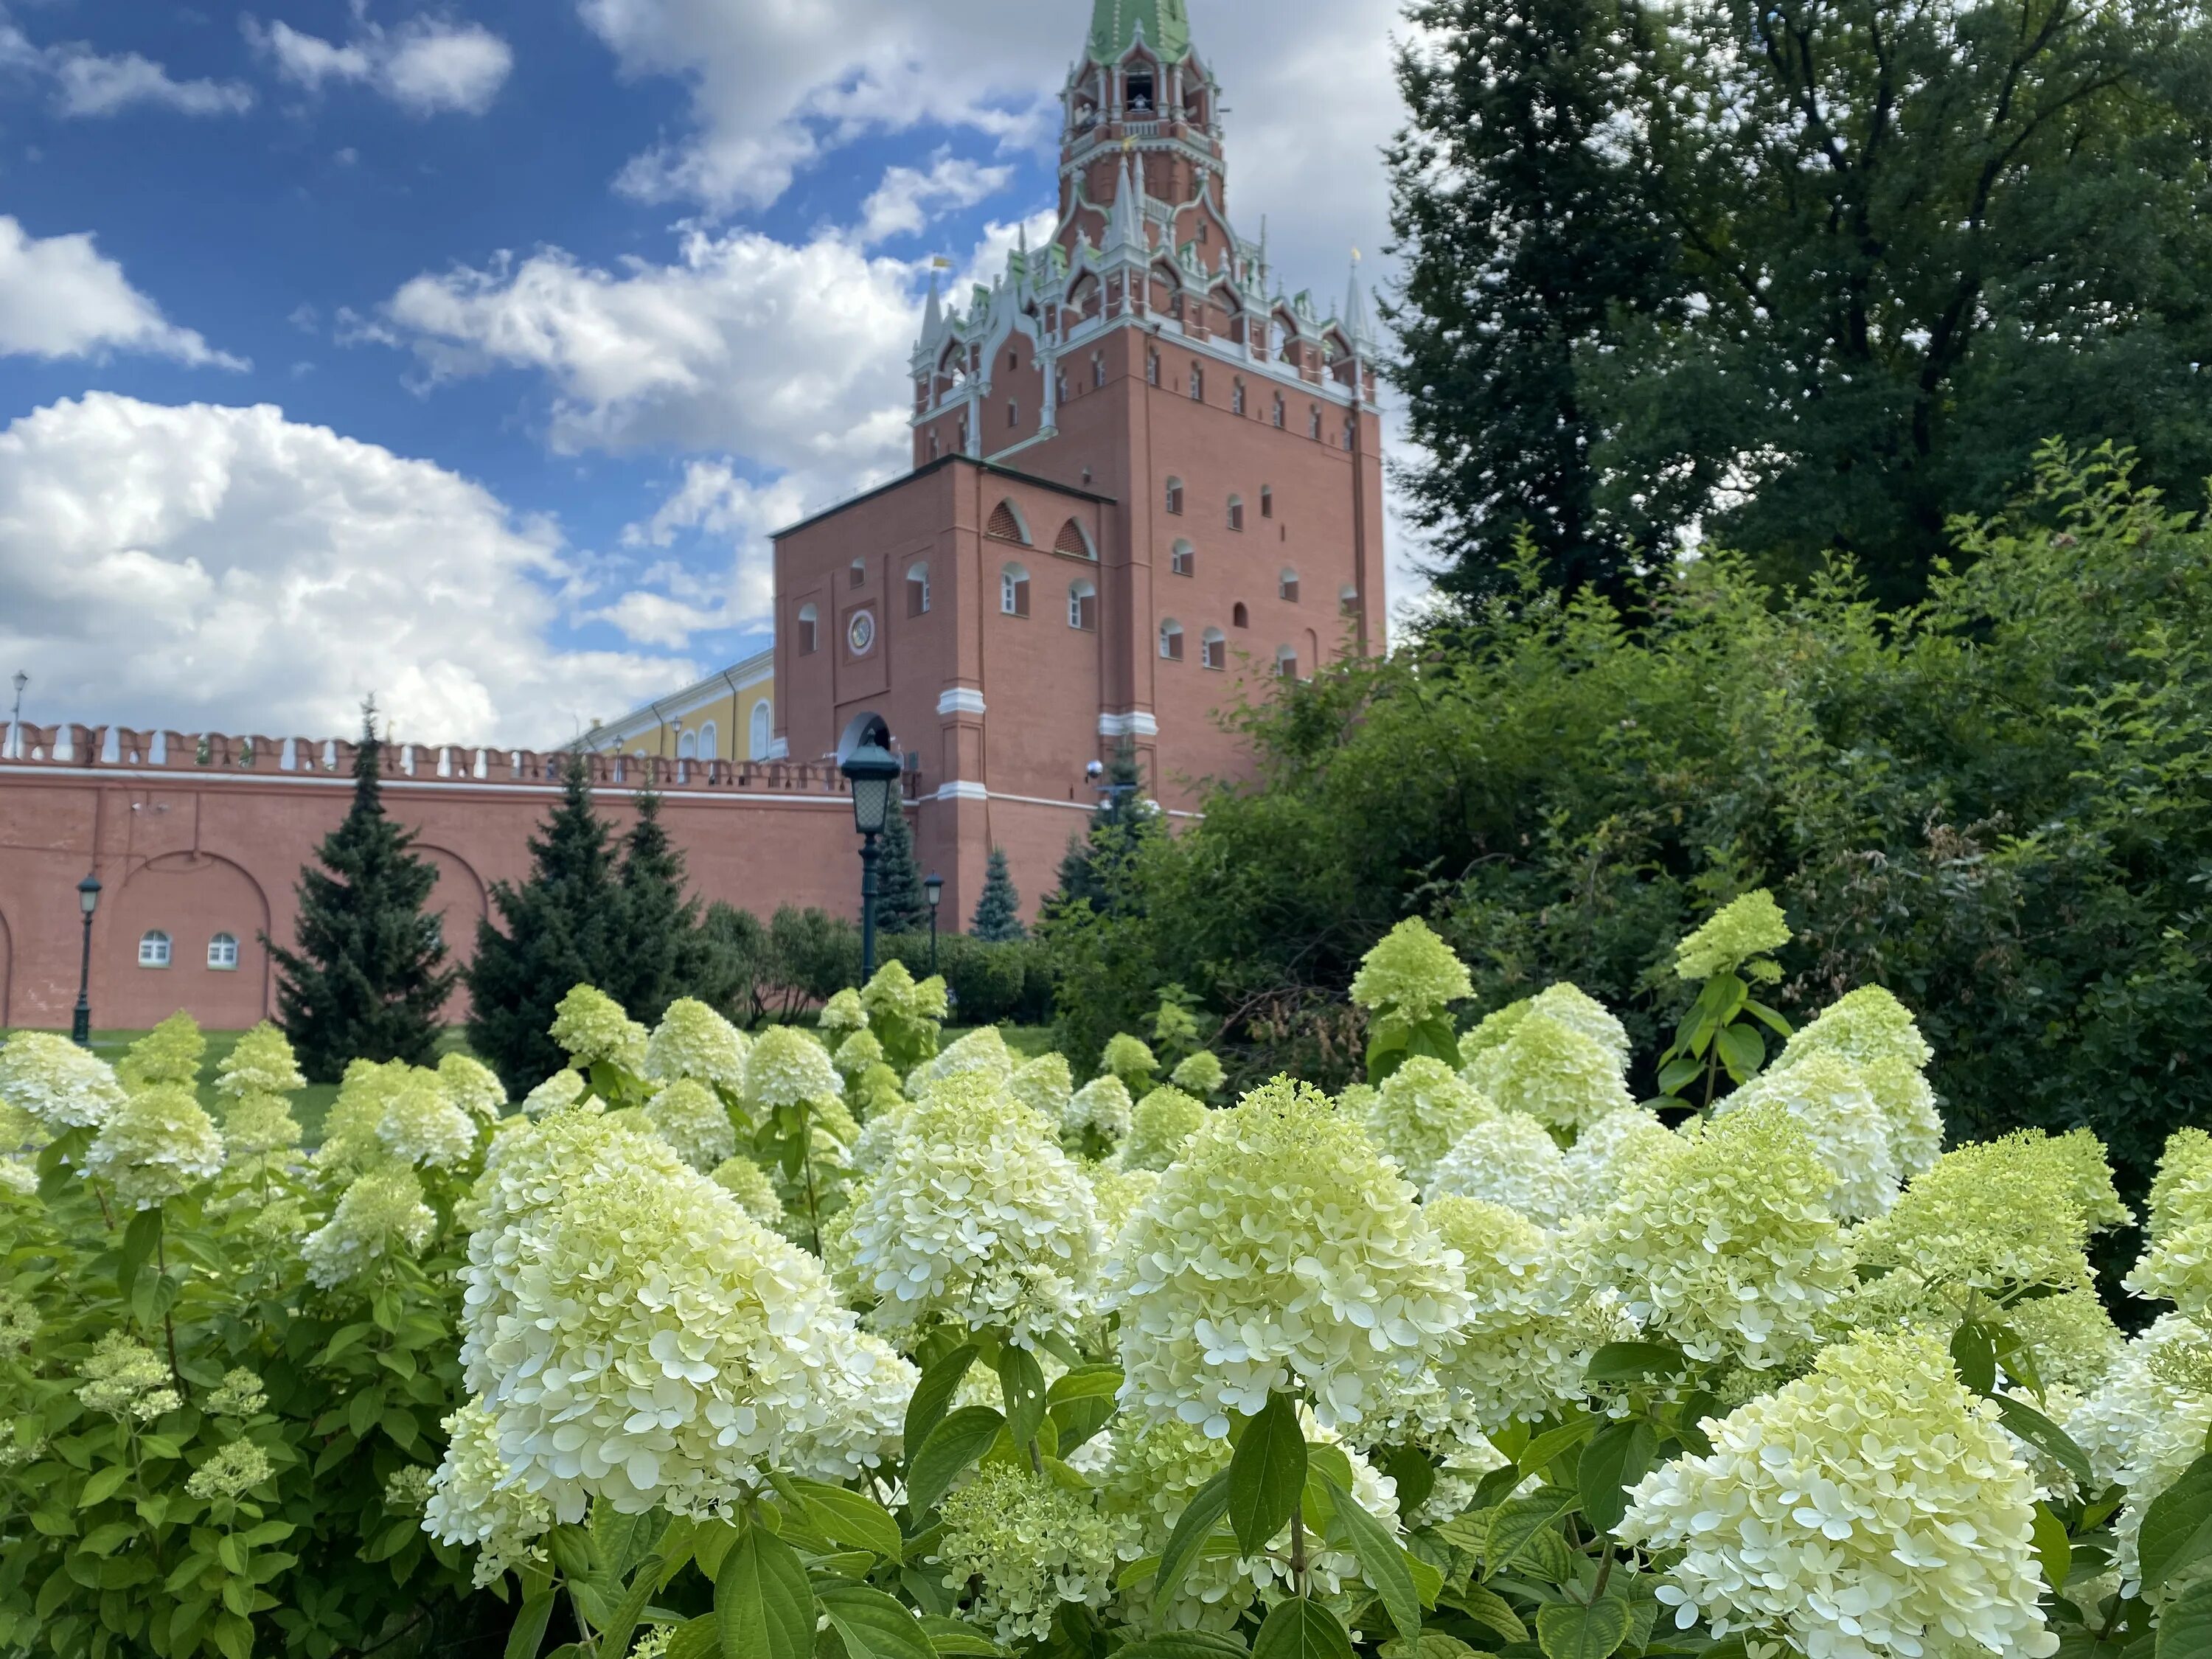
x=1125, y=225
x=933, y=316
x=1356, y=326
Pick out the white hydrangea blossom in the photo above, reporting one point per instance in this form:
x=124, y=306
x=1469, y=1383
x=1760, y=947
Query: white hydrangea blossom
x=1044, y=1084
x=787, y=1067
x=1552, y=1072
x=259, y=1063
x=2143, y=1427
x=1510, y=1159
x=1826, y=1095
x=475, y=1502
x=692, y=1118
x=1579, y=1010
x=692, y=1040
x=637, y=1338
x=1724, y=1243
x=473, y=1086
x=61, y=1085
x=1872, y=1510
x=157, y=1144
x=1873, y=1031
x=983, y=1050
x=423, y=1125
x=1281, y=1251
x=592, y=1027
x=1101, y=1107
x=978, y=1217
x=1606, y=1154
x=1027, y=1544
x=380, y=1216
x=561, y=1090
x=1421, y=1113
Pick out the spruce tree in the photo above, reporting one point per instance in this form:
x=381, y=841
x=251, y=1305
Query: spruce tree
x=563, y=926
x=369, y=978
x=998, y=911
x=663, y=953
x=901, y=906
x=1097, y=861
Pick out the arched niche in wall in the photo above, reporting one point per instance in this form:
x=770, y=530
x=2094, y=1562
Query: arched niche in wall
x=192, y=897
x=459, y=901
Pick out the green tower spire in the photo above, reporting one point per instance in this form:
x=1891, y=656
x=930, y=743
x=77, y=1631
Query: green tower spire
x=1114, y=25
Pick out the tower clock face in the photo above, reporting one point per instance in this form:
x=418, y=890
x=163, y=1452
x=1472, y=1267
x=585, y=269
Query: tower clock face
x=860, y=633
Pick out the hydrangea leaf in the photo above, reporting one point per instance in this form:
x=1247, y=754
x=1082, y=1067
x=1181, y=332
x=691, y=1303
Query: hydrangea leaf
x=1382, y=1561
x=1566, y=1631
x=1268, y=1474
x=873, y=1625
x=762, y=1601
x=952, y=1445
x=2177, y=1529
x=1620, y=1456
x=1302, y=1629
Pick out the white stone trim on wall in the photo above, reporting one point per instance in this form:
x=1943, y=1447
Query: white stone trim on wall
x=960, y=700
x=1136, y=725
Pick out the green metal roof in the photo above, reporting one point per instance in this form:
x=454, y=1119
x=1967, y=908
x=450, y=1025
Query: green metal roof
x=1114, y=28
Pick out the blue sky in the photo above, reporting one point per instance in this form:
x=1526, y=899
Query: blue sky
x=466, y=353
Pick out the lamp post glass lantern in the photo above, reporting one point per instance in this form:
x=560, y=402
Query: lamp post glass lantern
x=88, y=898
x=935, y=887
x=865, y=759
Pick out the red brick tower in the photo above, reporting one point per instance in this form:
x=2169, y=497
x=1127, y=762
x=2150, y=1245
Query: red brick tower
x=1141, y=478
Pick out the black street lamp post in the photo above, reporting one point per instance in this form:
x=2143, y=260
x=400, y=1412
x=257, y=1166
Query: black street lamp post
x=87, y=899
x=865, y=757
x=935, y=886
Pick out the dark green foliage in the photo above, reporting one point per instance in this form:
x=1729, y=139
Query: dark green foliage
x=1923, y=239
x=900, y=905
x=1511, y=273
x=817, y=954
x=992, y=984
x=663, y=954
x=1093, y=928
x=1997, y=805
x=563, y=926
x=369, y=978
x=998, y=910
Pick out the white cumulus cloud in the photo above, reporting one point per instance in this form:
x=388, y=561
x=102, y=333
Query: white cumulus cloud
x=908, y=199
x=89, y=83
x=427, y=66
x=227, y=570
x=61, y=297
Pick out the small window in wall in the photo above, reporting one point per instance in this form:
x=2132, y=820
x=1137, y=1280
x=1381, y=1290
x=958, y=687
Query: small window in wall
x=1351, y=434
x=687, y=746
x=1152, y=368
x=1006, y=525
x=1237, y=398
x=1213, y=649
x=710, y=741
x=932, y=443
x=154, y=950
x=1013, y=413
x=1014, y=592
x=1197, y=384
x=763, y=735
x=1098, y=371
x=1313, y=423
x=1239, y=617
x=1014, y=362
x=1288, y=586
x=1235, y=512
x=1174, y=496
x=1286, y=662
x=1279, y=413
x=1183, y=561
x=1083, y=606
x=858, y=573
x=810, y=630
x=1347, y=602
x=1267, y=501
x=222, y=953
x=1171, y=641
x=917, y=589
x=1072, y=541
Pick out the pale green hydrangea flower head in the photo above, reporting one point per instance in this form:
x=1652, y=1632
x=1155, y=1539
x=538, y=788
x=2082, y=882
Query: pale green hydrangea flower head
x=1829, y=1098
x=1552, y=1072
x=380, y=1217
x=1281, y=1253
x=240, y=1396
x=1609, y=1152
x=1419, y=1115
x=1044, y=1084
x=895, y=993
x=877, y=1090
x=746, y=1181
x=787, y=1066
x=1579, y=1010
x=407, y=1490
x=473, y=1086
x=62, y=1086
x=126, y=1380
x=1509, y=1159
x=638, y=1339
x=423, y=1125
x=350, y=1143
x=1199, y=1074
x=692, y=1040
x=1161, y=1126
x=261, y=1063
x=1411, y=973
x=1743, y=928
x=2144, y=1425
x=1725, y=1244
x=841, y=1016
x=557, y=1093
x=1874, y=1509
x=157, y=1145
x=256, y=1126
x=1101, y=1107
x=2177, y=1268
x=2181, y=1192
x=592, y=1027
x=982, y=1051
x=1992, y=1215
x=1129, y=1059
x=476, y=1503
x=1875, y=1032
x=235, y=1470
x=1492, y=1029
x=169, y=1053
x=1118, y=1194
x=692, y=1118
x=19, y=1324
x=1029, y=1545
x=977, y=1217
x=856, y=1053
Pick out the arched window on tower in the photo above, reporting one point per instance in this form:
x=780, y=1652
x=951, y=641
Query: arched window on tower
x=1197, y=383
x=154, y=950
x=222, y=953
x=1184, y=560
x=1288, y=586
x=710, y=741
x=1074, y=541
x=1098, y=371
x=687, y=746
x=1014, y=591
x=1235, y=512
x=1278, y=412
x=917, y=589
x=1239, y=617
x=1174, y=496
x=1347, y=601
x=858, y=576
x=761, y=737
x=1171, y=641
x=1152, y=368
x=1007, y=525
x=1213, y=649
x=1236, y=397
x=1267, y=501
x=1083, y=606
x=810, y=630
x=1313, y=421
x=1286, y=662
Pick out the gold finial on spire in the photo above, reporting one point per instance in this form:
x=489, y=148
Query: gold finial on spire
x=1128, y=142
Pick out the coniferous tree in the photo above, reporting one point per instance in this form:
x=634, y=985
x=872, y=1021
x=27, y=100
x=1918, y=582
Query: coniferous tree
x=901, y=906
x=998, y=911
x=1097, y=861
x=663, y=954
x=563, y=926
x=370, y=976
